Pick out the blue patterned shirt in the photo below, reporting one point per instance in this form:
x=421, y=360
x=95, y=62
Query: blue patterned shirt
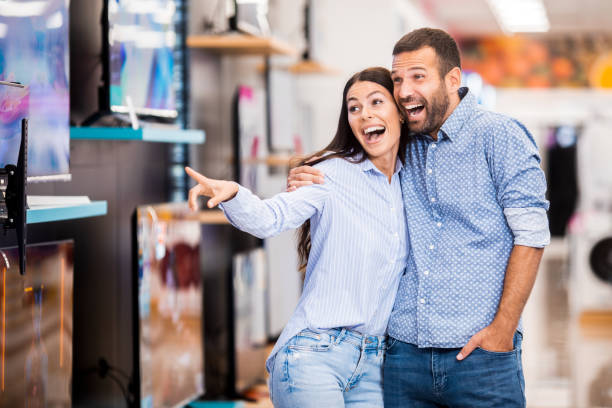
x=358, y=245
x=469, y=198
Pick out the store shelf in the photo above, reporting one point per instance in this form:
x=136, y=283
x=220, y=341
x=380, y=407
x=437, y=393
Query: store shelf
x=145, y=134
x=240, y=44
x=273, y=161
x=37, y=215
x=306, y=67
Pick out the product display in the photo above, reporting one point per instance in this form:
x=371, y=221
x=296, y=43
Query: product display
x=34, y=52
x=142, y=39
x=169, y=310
x=36, y=338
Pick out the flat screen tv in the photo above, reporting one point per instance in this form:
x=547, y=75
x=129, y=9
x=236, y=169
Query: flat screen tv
x=250, y=288
x=169, y=362
x=34, y=52
x=36, y=331
x=141, y=40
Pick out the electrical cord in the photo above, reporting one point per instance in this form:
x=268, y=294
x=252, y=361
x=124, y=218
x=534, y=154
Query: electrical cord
x=103, y=369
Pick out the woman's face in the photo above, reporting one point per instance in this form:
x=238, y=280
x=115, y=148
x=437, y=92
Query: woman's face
x=374, y=118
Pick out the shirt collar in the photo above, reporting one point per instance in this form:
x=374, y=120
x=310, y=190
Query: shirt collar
x=453, y=124
x=367, y=165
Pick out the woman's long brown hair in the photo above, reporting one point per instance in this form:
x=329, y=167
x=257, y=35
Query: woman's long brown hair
x=345, y=145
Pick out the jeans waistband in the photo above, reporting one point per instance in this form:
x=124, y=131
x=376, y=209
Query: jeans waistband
x=358, y=339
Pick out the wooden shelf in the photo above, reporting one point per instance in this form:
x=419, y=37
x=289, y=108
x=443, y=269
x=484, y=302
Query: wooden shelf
x=277, y=161
x=144, y=134
x=306, y=67
x=37, y=215
x=240, y=44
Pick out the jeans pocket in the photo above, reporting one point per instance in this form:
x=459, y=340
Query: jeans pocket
x=308, y=340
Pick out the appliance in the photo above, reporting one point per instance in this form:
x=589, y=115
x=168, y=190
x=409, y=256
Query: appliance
x=36, y=316
x=249, y=292
x=235, y=320
x=594, y=175
x=249, y=16
x=249, y=137
x=140, y=40
x=34, y=52
x=561, y=175
x=169, y=362
x=592, y=364
x=590, y=286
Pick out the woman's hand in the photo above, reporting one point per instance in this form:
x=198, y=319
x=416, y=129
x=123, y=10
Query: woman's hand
x=217, y=190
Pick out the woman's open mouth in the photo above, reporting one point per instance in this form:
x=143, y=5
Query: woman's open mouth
x=373, y=133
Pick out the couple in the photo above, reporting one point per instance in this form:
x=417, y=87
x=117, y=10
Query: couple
x=422, y=228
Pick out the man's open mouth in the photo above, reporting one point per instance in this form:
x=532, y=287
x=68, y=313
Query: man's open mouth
x=414, y=109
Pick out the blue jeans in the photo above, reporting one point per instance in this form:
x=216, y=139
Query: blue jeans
x=332, y=368
x=431, y=377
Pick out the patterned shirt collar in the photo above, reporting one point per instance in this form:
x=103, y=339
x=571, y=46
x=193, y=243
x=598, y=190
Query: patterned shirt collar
x=460, y=115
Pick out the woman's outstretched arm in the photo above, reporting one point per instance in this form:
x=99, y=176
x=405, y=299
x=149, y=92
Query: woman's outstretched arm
x=262, y=218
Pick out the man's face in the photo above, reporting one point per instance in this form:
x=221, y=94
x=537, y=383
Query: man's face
x=418, y=88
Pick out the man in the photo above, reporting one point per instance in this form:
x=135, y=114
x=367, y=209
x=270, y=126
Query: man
x=474, y=197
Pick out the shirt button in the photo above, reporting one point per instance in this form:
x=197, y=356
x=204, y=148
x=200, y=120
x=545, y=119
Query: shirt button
x=422, y=301
x=431, y=247
x=433, y=199
x=433, y=145
x=396, y=235
x=392, y=208
x=439, y=224
x=426, y=273
x=429, y=171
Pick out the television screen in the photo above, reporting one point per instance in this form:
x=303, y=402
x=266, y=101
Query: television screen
x=252, y=17
x=170, y=345
x=141, y=41
x=36, y=337
x=34, y=52
x=250, y=330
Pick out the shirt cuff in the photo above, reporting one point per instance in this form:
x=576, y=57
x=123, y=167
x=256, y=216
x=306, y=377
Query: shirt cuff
x=237, y=202
x=529, y=226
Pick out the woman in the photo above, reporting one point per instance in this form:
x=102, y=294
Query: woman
x=353, y=238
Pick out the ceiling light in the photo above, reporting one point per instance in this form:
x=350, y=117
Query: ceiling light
x=520, y=16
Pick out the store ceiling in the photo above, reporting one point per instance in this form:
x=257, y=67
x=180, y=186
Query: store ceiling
x=474, y=17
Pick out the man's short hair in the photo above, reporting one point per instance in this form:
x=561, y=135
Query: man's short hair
x=442, y=43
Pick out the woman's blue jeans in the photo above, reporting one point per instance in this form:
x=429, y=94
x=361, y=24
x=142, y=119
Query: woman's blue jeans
x=430, y=377
x=333, y=368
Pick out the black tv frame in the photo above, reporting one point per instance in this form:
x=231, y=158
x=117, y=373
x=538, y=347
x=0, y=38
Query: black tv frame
x=104, y=103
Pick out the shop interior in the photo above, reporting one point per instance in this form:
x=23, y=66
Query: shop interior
x=115, y=294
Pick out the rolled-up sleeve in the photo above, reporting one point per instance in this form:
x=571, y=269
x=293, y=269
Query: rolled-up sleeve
x=521, y=185
x=265, y=218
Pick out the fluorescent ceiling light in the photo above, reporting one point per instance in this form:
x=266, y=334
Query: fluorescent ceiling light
x=22, y=9
x=520, y=16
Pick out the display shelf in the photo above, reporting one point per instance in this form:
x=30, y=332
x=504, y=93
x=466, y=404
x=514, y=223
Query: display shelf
x=40, y=214
x=240, y=44
x=306, y=67
x=145, y=134
x=272, y=161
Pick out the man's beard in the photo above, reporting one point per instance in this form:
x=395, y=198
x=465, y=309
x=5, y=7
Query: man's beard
x=436, y=110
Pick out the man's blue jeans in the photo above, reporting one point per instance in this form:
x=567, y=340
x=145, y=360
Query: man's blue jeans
x=334, y=368
x=430, y=377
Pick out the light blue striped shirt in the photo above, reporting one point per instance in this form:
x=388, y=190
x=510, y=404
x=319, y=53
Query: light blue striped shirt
x=359, y=245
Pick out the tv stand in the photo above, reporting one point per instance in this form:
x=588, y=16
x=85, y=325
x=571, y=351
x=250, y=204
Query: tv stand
x=107, y=119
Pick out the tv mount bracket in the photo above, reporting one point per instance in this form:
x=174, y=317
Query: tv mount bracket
x=13, y=192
